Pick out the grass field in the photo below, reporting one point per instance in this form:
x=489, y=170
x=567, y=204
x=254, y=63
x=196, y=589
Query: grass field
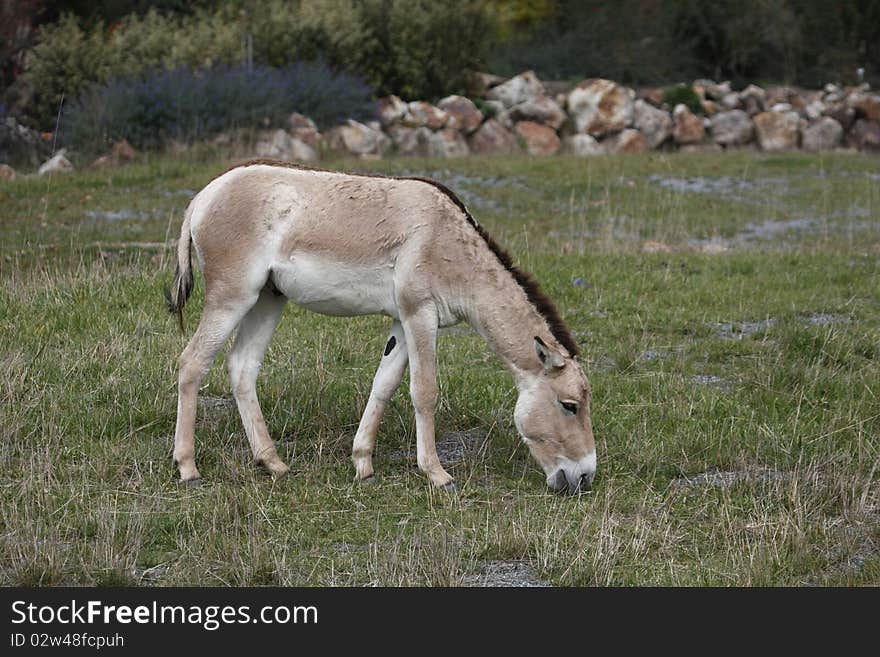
x=728, y=308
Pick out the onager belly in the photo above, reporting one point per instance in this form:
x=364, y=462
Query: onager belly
x=332, y=288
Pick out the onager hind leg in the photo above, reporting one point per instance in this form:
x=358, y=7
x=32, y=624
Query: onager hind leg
x=217, y=323
x=243, y=362
x=385, y=382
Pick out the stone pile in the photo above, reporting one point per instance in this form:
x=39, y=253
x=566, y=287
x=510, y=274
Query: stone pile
x=597, y=116
x=525, y=115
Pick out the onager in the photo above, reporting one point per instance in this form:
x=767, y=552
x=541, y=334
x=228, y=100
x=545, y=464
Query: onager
x=267, y=232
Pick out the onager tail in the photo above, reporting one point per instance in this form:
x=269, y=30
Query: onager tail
x=183, y=276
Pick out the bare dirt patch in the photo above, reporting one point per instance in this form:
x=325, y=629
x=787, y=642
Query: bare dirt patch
x=506, y=574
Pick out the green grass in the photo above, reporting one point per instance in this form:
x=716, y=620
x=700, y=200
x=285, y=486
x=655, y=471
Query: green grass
x=736, y=331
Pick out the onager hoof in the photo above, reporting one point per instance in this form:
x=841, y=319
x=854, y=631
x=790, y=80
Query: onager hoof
x=450, y=487
x=369, y=480
x=275, y=467
x=194, y=482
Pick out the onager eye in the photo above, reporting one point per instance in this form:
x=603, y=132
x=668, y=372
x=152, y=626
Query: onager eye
x=569, y=407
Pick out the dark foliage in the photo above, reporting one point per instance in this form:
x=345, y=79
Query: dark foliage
x=154, y=107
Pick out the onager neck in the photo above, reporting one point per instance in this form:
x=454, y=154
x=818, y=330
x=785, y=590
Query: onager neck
x=500, y=311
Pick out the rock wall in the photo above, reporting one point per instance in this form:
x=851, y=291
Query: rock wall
x=597, y=116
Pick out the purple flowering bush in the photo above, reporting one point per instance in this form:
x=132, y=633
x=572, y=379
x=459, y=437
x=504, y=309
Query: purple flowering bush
x=153, y=107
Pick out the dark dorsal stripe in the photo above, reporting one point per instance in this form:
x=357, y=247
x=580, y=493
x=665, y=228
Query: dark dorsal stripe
x=525, y=280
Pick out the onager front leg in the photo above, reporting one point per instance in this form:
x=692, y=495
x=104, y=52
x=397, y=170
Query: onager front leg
x=385, y=382
x=420, y=330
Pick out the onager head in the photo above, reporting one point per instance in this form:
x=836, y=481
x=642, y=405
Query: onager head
x=553, y=417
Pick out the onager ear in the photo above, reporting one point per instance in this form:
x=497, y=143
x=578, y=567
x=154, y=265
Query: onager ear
x=550, y=358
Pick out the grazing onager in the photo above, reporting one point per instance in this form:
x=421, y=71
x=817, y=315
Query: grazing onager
x=340, y=244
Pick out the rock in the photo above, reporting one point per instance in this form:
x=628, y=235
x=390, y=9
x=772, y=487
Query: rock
x=814, y=109
x=753, y=99
x=655, y=124
x=419, y=114
x=7, y=173
x=122, y=151
x=732, y=101
x=540, y=139
x=711, y=107
x=732, y=128
x=687, y=128
x=19, y=144
x=600, y=107
x=823, y=134
x=865, y=135
x=391, y=110
x=865, y=106
x=463, y=114
x=280, y=145
x=540, y=109
x=480, y=83
x=358, y=139
x=777, y=131
x=492, y=137
x=447, y=143
x=652, y=95
x=581, y=145
x=629, y=141
x=843, y=114
x=297, y=121
x=411, y=142
x=57, y=164
x=518, y=89
x=303, y=128
x=715, y=90
x=781, y=107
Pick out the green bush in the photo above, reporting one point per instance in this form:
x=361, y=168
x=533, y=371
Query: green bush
x=683, y=94
x=412, y=48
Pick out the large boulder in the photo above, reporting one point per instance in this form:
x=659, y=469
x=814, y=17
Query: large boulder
x=865, y=135
x=842, y=113
x=421, y=114
x=866, y=106
x=777, y=131
x=753, y=99
x=303, y=128
x=629, y=141
x=655, y=124
x=463, y=114
x=57, y=164
x=539, y=139
x=447, y=142
x=823, y=134
x=120, y=153
x=358, y=139
x=19, y=144
x=391, y=110
x=600, y=107
x=518, y=89
x=687, y=128
x=492, y=137
x=581, y=145
x=280, y=145
x=411, y=142
x=541, y=109
x=732, y=128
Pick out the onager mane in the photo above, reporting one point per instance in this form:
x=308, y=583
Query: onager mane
x=525, y=280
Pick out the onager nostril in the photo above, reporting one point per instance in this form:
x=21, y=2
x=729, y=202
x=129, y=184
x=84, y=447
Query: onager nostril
x=586, y=482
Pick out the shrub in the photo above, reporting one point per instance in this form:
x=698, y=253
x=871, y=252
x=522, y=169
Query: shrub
x=151, y=108
x=683, y=94
x=414, y=48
